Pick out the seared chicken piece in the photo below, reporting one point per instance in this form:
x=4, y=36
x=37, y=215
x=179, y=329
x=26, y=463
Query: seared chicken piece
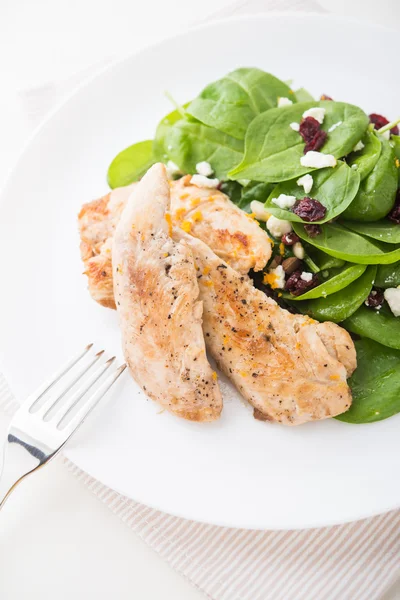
x=291, y=368
x=97, y=222
x=338, y=345
x=160, y=316
x=207, y=214
x=231, y=233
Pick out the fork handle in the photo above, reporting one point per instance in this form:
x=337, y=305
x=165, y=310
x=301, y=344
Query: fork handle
x=7, y=485
x=17, y=464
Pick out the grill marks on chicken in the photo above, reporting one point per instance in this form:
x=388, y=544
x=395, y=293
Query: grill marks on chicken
x=206, y=214
x=160, y=315
x=291, y=368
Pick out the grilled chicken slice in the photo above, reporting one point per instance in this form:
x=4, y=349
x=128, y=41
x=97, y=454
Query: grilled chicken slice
x=291, y=368
x=207, y=214
x=338, y=345
x=210, y=216
x=97, y=222
x=160, y=315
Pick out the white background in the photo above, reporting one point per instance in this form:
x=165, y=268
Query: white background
x=57, y=541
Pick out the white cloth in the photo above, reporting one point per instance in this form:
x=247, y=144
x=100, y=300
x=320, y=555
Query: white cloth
x=357, y=561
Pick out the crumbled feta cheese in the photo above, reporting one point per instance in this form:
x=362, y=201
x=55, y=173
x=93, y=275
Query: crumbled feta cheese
x=359, y=146
x=316, y=113
x=205, y=182
x=318, y=160
x=306, y=182
x=354, y=167
x=298, y=250
x=172, y=169
x=278, y=227
x=284, y=201
x=295, y=126
x=386, y=134
x=333, y=127
x=306, y=276
x=392, y=297
x=284, y=102
x=204, y=168
x=259, y=210
x=279, y=277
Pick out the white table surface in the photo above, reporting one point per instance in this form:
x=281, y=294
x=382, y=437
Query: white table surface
x=57, y=541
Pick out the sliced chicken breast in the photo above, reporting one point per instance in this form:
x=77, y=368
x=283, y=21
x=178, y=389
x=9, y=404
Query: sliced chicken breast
x=291, y=368
x=231, y=233
x=160, y=315
x=97, y=222
x=207, y=214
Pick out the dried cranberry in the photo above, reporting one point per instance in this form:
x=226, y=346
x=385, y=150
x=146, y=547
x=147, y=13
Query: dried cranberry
x=290, y=238
x=296, y=285
x=380, y=121
x=308, y=128
x=394, y=214
x=325, y=97
x=313, y=230
x=375, y=299
x=317, y=142
x=309, y=210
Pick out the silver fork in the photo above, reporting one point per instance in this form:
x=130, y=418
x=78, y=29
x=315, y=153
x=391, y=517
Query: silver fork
x=48, y=418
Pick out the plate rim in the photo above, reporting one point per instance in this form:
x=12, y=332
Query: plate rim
x=87, y=81
x=249, y=527
x=126, y=57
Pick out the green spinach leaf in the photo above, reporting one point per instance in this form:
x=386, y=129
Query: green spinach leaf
x=130, y=164
x=231, y=103
x=383, y=231
x=303, y=96
x=233, y=189
x=338, y=279
x=366, y=158
x=350, y=246
x=273, y=150
x=377, y=192
x=375, y=384
x=395, y=143
x=323, y=260
x=160, y=150
x=381, y=326
x=254, y=191
x=388, y=275
x=190, y=142
x=334, y=188
x=339, y=306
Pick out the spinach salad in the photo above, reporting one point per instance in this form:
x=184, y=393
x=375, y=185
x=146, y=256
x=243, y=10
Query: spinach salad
x=322, y=178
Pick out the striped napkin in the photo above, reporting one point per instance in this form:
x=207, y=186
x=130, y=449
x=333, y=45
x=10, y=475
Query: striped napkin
x=356, y=561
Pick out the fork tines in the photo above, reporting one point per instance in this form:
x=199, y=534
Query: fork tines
x=73, y=391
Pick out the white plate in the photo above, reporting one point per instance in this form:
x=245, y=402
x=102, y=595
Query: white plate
x=237, y=472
